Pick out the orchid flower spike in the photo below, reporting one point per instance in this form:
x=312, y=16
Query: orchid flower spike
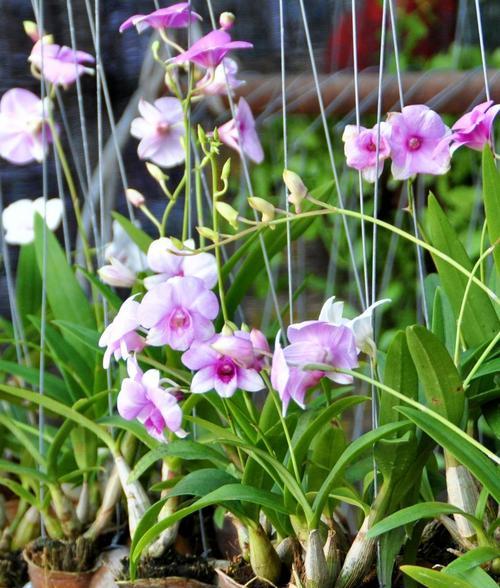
x=177, y=16
x=160, y=130
x=475, y=129
x=240, y=133
x=141, y=397
x=224, y=363
x=18, y=219
x=360, y=148
x=418, y=142
x=120, y=337
x=60, y=65
x=169, y=261
x=24, y=131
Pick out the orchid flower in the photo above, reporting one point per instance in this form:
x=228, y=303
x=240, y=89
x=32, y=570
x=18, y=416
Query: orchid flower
x=141, y=397
x=209, y=51
x=178, y=312
x=120, y=337
x=223, y=372
x=24, y=130
x=417, y=142
x=360, y=148
x=361, y=326
x=248, y=350
x=58, y=64
x=177, y=16
x=216, y=82
x=474, y=129
x=18, y=219
x=168, y=261
x=240, y=134
x=160, y=129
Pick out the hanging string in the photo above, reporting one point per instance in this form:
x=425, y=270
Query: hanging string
x=483, y=52
x=330, y=151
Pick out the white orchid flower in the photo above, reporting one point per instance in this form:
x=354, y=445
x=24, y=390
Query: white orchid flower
x=125, y=257
x=361, y=326
x=18, y=219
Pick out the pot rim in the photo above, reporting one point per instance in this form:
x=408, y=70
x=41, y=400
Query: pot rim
x=131, y=582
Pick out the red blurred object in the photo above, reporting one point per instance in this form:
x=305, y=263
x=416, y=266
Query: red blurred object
x=438, y=15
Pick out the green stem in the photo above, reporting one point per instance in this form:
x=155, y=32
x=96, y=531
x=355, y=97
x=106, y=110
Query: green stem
x=218, y=256
x=480, y=361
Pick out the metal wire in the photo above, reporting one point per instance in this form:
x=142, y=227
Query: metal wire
x=483, y=52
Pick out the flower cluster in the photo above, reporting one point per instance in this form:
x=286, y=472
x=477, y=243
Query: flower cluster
x=417, y=141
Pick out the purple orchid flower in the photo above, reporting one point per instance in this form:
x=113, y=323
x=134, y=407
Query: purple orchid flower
x=120, y=337
x=160, y=129
x=168, y=261
x=179, y=312
x=24, y=130
x=312, y=342
x=60, y=65
x=177, y=16
x=417, y=142
x=216, y=82
x=141, y=397
x=239, y=133
x=360, y=148
x=210, y=50
x=474, y=129
x=223, y=372
x=248, y=350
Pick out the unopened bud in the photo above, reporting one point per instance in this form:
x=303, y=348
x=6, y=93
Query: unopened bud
x=226, y=331
x=134, y=197
x=228, y=212
x=226, y=21
x=296, y=187
x=177, y=243
x=226, y=170
x=156, y=172
x=202, y=136
x=266, y=209
x=208, y=233
x=116, y=274
x=31, y=29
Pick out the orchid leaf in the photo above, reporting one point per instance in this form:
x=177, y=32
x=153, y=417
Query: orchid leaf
x=491, y=189
x=138, y=236
x=113, y=299
x=480, y=322
x=28, y=283
x=438, y=374
x=435, y=579
x=54, y=386
x=472, y=559
x=202, y=482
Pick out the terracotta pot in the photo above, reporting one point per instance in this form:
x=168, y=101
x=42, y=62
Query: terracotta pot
x=171, y=582
x=42, y=578
x=225, y=581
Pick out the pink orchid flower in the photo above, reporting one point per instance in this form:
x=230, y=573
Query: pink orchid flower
x=168, y=261
x=160, y=129
x=210, y=50
x=248, y=350
x=417, y=142
x=24, y=131
x=120, y=337
x=177, y=16
x=179, y=312
x=141, y=397
x=216, y=82
x=360, y=148
x=239, y=133
x=222, y=372
x=474, y=129
x=312, y=342
x=60, y=65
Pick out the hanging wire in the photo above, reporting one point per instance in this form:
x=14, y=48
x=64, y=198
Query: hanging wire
x=285, y=157
x=330, y=150
x=248, y=183
x=483, y=52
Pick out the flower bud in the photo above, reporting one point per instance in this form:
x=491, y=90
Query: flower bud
x=117, y=274
x=226, y=170
x=264, y=207
x=296, y=187
x=208, y=233
x=228, y=212
x=134, y=197
x=31, y=29
x=156, y=172
x=226, y=21
x=177, y=243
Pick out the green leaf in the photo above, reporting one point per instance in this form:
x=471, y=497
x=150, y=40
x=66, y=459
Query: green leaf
x=411, y=514
x=66, y=298
x=491, y=189
x=437, y=372
x=444, y=325
x=28, y=283
x=19, y=491
x=139, y=237
x=113, y=299
x=464, y=451
x=399, y=374
x=434, y=579
x=183, y=449
x=86, y=336
x=54, y=386
x=472, y=559
x=480, y=322
x=202, y=482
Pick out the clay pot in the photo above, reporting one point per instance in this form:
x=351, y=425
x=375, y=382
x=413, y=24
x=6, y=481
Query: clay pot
x=225, y=581
x=171, y=582
x=42, y=578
